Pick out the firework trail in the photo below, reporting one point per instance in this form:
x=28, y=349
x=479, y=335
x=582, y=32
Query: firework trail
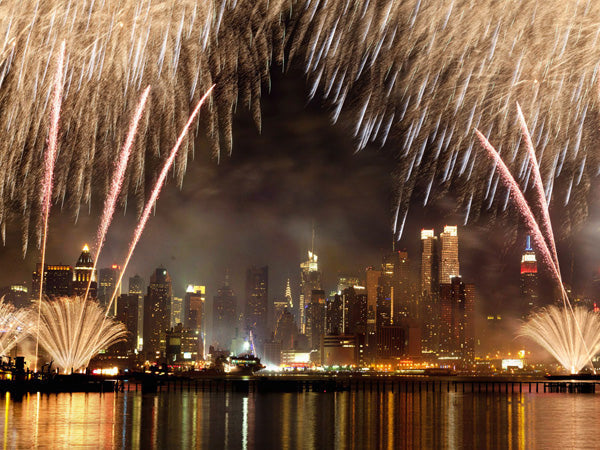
x=417, y=74
x=534, y=229
x=517, y=195
x=50, y=158
x=156, y=192
x=117, y=182
x=539, y=186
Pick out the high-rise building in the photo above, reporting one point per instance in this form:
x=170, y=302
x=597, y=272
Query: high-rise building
x=310, y=279
x=127, y=313
x=334, y=315
x=16, y=294
x=257, y=309
x=286, y=331
x=457, y=301
x=449, y=266
x=83, y=273
x=429, y=291
x=315, y=318
x=58, y=281
x=354, y=309
x=107, y=281
x=224, y=316
x=193, y=307
x=157, y=313
x=288, y=295
x=529, y=279
x=176, y=311
x=394, y=286
x=183, y=346
x=137, y=287
x=346, y=281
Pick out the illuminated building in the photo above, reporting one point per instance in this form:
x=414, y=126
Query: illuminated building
x=193, y=307
x=256, y=312
x=394, y=286
x=107, y=281
x=278, y=307
x=17, y=294
x=224, y=316
x=315, y=318
x=429, y=291
x=346, y=281
x=183, y=346
x=354, y=310
x=529, y=279
x=157, y=312
x=83, y=272
x=341, y=350
x=58, y=281
x=176, y=310
x=457, y=301
x=193, y=310
x=288, y=295
x=127, y=313
x=449, y=266
x=272, y=353
x=310, y=279
x=137, y=287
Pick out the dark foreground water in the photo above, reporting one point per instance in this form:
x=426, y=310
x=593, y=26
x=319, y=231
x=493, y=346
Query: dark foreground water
x=306, y=420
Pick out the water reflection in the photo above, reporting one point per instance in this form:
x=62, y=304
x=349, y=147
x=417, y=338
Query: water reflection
x=325, y=420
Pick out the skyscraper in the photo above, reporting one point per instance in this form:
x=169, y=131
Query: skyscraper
x=288, y=295
x=224, y=316
x=83, y=272
x=429, y=291
x=176, y=311
x=58, y=281
x=394, y=286
x=107, y=281
x=457, y=301
x=193, y=307
x=310, y=279
x=256, y=311
x=315, y=318
x=127, y=313
x=136, y=286
x=157, y=312
x=529, y=279
x=449, y=266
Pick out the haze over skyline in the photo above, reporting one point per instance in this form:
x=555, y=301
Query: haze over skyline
x=258, y=206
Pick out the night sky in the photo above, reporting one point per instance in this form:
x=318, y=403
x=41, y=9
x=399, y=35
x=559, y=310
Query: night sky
x=258, y=207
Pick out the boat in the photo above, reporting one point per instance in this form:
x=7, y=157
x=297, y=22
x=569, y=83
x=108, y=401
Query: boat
x=245, y=364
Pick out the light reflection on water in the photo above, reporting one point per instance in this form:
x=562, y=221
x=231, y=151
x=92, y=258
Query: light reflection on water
x=304, y=420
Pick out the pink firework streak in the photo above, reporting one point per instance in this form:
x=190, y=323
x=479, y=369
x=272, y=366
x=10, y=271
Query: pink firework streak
x=533, y=226
x=117, y=182
x=156, y=192
x=49, y=160
x=539, y=187
x=517, y=195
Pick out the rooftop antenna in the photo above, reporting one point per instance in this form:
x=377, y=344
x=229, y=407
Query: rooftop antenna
x=312, y=247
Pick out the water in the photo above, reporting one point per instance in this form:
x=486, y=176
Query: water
x=305, y=420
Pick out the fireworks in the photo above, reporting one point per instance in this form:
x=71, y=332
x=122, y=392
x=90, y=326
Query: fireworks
x=558, y=330
x=418, y=75
x=13, y=327
x=73, y=330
